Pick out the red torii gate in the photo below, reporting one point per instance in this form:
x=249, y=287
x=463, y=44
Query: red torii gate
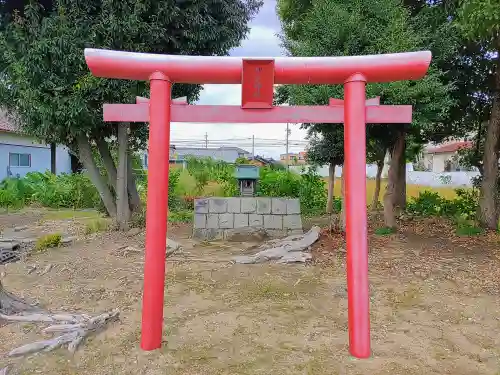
x=258, y=77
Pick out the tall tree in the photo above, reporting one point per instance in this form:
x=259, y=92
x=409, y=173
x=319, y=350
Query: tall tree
x=480, y=22
x=339, y=27
x=44, y=78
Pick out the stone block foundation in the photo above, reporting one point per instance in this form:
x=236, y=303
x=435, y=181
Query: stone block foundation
x=220, y=218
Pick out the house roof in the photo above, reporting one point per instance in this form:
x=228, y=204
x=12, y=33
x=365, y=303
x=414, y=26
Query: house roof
x=6, y=124
x=451, y=147
x=265, y=160
x=228, y=154
x=204, y=149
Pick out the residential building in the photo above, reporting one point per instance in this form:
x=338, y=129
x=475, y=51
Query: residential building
x=21, y=154
x=178, y=155
x=294, y=158
x=444, y=157
x=261, y=161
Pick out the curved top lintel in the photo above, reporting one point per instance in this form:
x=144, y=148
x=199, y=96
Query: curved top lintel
x=288, y=70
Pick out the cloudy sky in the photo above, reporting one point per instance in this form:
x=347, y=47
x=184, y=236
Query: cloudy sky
x=261, y=42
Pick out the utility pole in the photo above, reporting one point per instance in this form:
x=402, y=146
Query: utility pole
x=287, y=157
x=206, y=140
x=253, y=146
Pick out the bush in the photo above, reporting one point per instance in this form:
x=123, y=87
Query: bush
x=61, y=191
x=97, y=225
x=463, y=207
x=468, y=229
x=385, y=231
x=48, y=241
x=174, y=201
x=467, y=203
x=427, y=203
x=182, y=216
x=308, y=187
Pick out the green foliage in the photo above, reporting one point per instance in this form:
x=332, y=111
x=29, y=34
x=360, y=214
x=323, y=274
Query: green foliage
x=308, y=187
x=174, y=200
x=384, y=231
x=463, y=207
x=61, y=191
x=480, y=19
x=207, y=169
x=97, y=225
x=46, y=82
x=468, y=229
x=242, y=160
x=282, y=183
x=339, y=28
x=175, y=216
x=466, y=203
x=48, y=241
x=200, y=169
x=182, y=216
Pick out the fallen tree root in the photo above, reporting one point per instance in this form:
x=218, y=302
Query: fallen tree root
x=291, y=249
x=10, y=304
x=74, y=330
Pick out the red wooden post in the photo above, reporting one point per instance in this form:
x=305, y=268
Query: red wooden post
x=156, y=216
x=356, y=222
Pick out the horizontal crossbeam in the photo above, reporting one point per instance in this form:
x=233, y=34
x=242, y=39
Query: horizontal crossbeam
x=375, y=114
x=228, y=69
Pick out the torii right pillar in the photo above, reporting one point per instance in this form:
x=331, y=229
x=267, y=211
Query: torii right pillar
x=356, y=221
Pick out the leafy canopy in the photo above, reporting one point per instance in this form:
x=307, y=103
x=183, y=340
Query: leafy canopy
x=339, y=28
x=44, y=78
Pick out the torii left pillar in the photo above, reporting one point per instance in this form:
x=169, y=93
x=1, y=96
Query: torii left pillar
x=157, y=203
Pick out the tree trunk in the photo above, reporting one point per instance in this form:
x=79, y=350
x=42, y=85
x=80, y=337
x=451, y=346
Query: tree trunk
x=392, y=180
x=122, y=204
x=85, y=153
x=133, y=194
x=400, y=194
x=108, y=161
x=489, y=209
x=53, y=158
x=331, y=184
x=378, y=178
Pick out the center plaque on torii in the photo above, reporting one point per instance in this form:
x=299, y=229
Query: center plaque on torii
x=258, y=77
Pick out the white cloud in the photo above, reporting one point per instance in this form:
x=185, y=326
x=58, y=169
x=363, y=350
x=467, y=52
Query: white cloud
x=261, y=42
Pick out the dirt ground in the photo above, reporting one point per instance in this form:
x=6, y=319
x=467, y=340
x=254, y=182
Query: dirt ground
x=435, y=308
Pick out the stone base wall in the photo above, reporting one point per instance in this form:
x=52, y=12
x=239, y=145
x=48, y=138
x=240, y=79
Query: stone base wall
x=220, y=218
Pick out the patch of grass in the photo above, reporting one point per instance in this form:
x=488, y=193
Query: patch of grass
x=183, y=216
x=71, y=215
x=97, y=225
x=319, y=363
x=468, y=230
x=199, y=354
x=385, y=231
x=405, y=298
x=186, y=186
x=277, y=290
x=48, y=241
x=411, y=190
x=193, y=281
